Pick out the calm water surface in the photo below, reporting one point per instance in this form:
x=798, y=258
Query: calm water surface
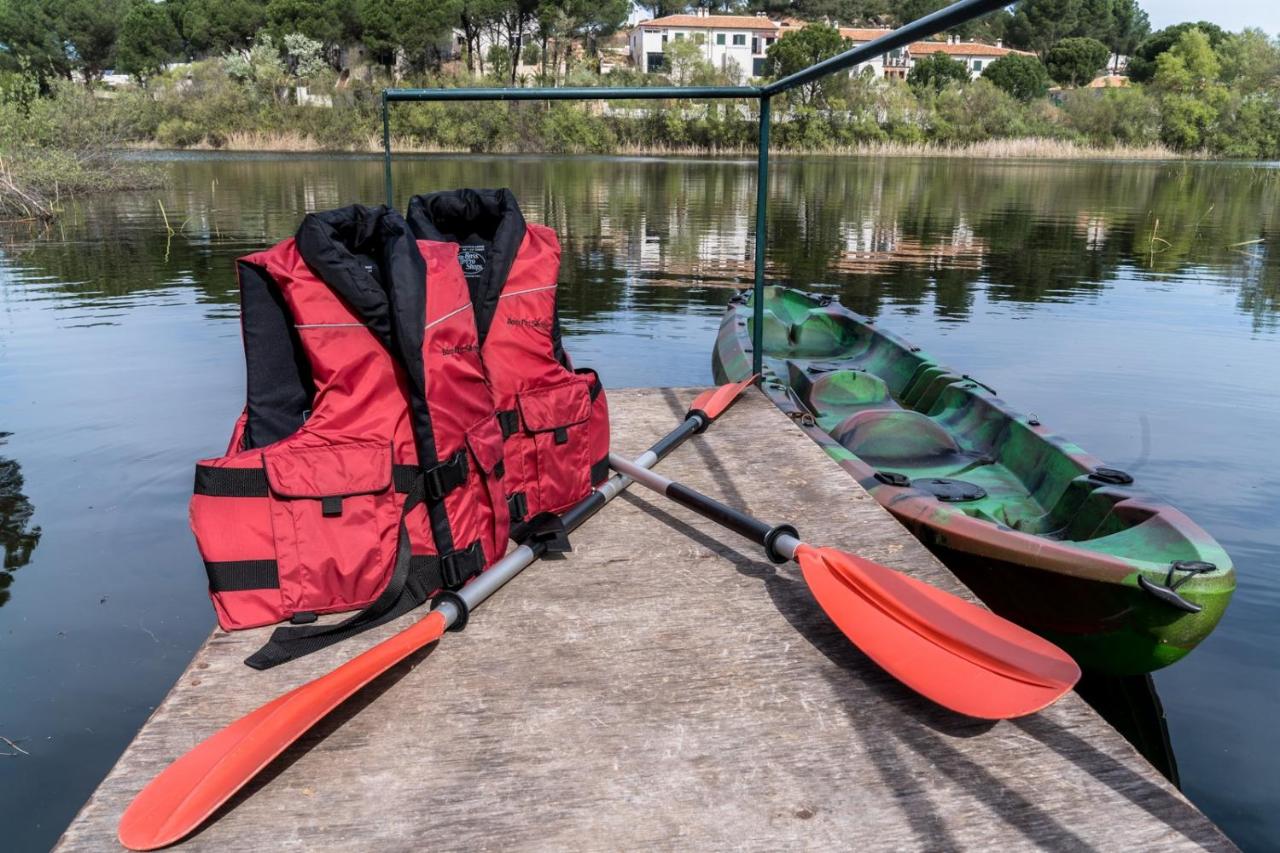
x=1134, y=307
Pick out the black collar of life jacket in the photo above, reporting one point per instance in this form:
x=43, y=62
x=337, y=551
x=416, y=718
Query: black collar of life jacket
x=369, y=257
x=488, y=227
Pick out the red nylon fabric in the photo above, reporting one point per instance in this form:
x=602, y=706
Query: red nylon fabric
x=358, y=428
x=563, y=432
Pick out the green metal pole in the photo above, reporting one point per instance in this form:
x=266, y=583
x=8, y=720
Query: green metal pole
x=762, y=214
x=386, y=149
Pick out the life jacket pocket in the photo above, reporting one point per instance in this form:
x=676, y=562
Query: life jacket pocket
x=557, y=418
x=482, y=505
x=335, y=520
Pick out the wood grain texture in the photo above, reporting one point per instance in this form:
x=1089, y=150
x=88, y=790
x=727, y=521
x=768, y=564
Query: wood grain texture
x=662, y=687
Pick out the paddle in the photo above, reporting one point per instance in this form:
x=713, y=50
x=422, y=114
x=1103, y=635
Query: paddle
x=959, y=655
x=191, y=789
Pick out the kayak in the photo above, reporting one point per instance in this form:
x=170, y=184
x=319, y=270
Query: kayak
x=1044, y=533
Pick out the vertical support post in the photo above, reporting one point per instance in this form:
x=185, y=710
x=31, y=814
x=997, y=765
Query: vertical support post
x=762, y=214
x=386, y=149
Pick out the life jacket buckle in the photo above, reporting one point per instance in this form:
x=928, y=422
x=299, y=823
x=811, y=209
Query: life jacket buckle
x=446, y=476
x=458, y=567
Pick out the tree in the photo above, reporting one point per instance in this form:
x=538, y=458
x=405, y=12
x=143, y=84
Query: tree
x=90, y=28
x=906, y=11
x=326, y=21
x=798, y=49
x=1191, y=95
x=1038, y=25
x=1142, y=64
x=1250, y=61
x=686, y=63
x=1022, y=76
x=31, y=38
x=148, y=40
x=1075, y=61
x=662, y=8
x=217, y=26
x=1129, y=26
x=935, y=72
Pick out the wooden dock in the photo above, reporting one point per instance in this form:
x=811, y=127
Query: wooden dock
x=662, y=687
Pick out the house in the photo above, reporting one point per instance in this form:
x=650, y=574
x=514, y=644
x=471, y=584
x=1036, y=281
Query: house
x=976, y=56
x=744, y=39
x=897, y=63
x=726, y=40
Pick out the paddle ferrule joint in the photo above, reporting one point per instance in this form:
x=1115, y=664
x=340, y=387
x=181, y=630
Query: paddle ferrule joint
x=454, y=608
x=776, y=545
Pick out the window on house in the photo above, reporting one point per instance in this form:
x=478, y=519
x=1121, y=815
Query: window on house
x=699, y=38
x=739, y=39
x=664, y=38
x=719, y=38
x=977, y=65
x=679, y=36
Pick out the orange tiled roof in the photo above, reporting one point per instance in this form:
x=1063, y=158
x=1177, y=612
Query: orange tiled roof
x=860, y=34
x=920, y=49
x=713, y=22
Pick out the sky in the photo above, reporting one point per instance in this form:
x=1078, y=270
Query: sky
x=1228, y=14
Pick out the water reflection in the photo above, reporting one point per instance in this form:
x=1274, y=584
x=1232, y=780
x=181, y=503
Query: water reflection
x=904, y=232
x=18, y=537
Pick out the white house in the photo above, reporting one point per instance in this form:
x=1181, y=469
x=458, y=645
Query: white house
x=739, y=40
x=744, y=39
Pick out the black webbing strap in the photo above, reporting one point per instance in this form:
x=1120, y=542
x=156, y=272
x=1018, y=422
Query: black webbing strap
x=241, y=575
x=508, y=421
x=413, y=579
x=517, y=506
x=600, y=471
x=252, y=482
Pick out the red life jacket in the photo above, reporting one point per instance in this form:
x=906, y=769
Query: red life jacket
x=555, y=418
x=365, y=471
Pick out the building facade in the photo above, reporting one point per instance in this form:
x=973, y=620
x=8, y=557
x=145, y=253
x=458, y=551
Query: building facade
x=743, y=40
x=726, y=40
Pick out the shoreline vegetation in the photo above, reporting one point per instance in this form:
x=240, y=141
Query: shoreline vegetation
x=1023, y=148
x=291, y=77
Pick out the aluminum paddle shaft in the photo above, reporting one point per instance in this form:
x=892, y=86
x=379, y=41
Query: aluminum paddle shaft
x=949, y=650
x=189, y=791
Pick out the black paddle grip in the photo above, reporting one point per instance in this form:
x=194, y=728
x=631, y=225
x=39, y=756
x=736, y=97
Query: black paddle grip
x=739, y=522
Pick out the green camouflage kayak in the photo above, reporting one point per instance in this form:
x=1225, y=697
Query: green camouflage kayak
x=1044, y=533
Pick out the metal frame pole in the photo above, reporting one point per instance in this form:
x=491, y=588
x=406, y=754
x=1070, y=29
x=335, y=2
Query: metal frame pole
x=762, y=233
x=386, y=149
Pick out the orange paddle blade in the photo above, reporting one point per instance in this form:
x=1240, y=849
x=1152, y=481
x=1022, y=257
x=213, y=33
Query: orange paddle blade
x=191, y=789
x=961, y=656
x=714, y=401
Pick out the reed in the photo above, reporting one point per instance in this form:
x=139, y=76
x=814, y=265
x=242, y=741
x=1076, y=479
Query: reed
x=1029, y=148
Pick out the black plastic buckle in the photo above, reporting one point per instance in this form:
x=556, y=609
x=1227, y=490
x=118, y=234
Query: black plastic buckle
x=547, y=529
x=517, y=506
x=508, y=422
x=446, y=476
x=331, y=506
x=458, y=567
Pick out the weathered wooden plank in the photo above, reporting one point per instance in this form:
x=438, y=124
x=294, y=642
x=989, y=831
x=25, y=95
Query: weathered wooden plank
x=665, y=687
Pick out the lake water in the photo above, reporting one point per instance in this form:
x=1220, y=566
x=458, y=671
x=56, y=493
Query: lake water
x=1134, y=307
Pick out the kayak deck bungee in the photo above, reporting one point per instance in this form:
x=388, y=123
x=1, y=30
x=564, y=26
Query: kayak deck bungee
x=1044, y=533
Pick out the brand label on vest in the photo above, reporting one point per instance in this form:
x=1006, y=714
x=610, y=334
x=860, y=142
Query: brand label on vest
x=473, y=260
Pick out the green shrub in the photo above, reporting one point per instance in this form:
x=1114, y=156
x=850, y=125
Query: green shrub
x=178, y=133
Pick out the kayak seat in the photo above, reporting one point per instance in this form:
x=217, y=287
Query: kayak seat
x=817, y=335
x=832, y=391
x=895, y=437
